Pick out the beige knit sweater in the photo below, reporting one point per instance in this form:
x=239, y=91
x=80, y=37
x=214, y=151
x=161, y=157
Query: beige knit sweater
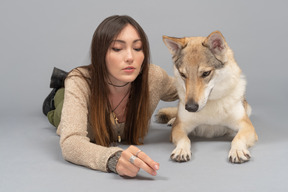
x=74, y=131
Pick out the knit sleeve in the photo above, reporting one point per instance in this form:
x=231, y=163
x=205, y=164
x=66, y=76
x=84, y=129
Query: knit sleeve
x=112, y=162
x=73, y=129
x=168, y=88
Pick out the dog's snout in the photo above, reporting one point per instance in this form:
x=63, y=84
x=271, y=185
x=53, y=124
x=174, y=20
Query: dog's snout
x=191, y=106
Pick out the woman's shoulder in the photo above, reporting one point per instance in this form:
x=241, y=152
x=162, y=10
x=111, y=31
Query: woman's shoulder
x=154, y=67
x=156, y=73
x=78, y=80
x=82, y=71
x=79, y=75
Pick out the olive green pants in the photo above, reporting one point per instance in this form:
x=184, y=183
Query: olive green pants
x=54, y=116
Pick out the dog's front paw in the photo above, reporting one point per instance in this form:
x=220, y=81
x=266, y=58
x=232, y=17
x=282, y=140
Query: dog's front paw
x=181, y=154
x=239, y=155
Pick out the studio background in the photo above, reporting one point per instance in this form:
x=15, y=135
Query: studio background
x=36, y=35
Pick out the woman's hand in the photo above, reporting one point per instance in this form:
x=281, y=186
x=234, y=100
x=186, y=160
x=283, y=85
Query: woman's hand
x=126, y=166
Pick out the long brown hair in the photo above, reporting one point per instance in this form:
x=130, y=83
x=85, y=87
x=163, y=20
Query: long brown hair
x=137, y=114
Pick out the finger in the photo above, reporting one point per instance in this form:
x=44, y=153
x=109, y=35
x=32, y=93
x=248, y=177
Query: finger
x=125, y=168
x=142, y=165
x=147, y=160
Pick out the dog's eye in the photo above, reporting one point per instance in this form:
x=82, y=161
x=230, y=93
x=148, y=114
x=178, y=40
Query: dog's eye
x=182, y=75
x=206, y=74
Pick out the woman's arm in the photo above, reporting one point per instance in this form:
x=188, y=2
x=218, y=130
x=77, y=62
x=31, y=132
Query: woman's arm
x=162, y=86
x=73, y=129
x=169, y=91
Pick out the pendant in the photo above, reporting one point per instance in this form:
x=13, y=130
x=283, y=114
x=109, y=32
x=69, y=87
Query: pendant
x=115, y=118
x=117, y=126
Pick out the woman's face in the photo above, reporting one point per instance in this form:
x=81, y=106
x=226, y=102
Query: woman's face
x=125, y=56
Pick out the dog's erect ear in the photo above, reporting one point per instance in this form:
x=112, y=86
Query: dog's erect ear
x=217, y=44
x=174, y=44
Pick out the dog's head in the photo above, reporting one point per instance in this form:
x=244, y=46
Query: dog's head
x=196, y=60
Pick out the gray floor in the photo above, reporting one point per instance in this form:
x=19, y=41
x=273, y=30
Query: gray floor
x=37, y=35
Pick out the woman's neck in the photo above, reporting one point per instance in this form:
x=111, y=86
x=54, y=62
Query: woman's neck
x=118, y=98
x=118, y=91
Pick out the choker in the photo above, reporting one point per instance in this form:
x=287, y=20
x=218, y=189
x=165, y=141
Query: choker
x=118, y=85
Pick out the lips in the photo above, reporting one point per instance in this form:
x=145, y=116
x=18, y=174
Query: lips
x=129, y=69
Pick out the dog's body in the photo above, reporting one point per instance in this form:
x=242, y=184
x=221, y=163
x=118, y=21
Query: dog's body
x=211, y=91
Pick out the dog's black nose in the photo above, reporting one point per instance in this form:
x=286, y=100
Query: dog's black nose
x=191, y=106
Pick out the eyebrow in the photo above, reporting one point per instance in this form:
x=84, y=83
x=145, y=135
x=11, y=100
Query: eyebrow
x=123, y=42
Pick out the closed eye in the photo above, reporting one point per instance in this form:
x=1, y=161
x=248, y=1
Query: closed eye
x=138, y=49
x=116, y=49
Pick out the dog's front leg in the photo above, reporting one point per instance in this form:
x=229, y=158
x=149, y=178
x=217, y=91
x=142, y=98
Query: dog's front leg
x=244, y=139
x=182, y=152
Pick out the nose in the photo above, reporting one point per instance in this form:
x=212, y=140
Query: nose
x=191, y=106
x=129, y=56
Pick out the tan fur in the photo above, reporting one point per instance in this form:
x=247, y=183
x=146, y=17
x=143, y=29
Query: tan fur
x=164, y=115
x=211, y=91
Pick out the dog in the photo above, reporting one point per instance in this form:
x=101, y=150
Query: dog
x=211, y=89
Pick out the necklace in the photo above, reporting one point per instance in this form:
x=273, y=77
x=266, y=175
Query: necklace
x=116, y=120
x=118, y=85
x=120, y=102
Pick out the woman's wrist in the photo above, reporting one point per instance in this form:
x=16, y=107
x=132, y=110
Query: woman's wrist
x=113, y=160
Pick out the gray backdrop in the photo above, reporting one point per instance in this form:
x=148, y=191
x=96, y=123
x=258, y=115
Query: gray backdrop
x=37, y=35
